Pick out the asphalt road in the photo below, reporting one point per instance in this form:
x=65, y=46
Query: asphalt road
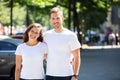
x=100, y=64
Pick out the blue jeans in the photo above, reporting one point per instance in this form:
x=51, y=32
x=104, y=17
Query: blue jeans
x=58, y=77
x=31, y=79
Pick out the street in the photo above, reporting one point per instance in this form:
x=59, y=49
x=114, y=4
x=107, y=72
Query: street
x=100, y=64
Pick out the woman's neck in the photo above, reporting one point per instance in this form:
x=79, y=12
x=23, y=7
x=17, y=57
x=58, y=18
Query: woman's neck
x=32, y=43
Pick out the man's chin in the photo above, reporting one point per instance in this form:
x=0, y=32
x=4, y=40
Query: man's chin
x=56, y=27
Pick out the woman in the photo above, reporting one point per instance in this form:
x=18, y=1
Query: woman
x=30, y=55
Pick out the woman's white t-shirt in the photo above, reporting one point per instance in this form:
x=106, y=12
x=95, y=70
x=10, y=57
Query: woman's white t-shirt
x=32, y=60
x=60, y=46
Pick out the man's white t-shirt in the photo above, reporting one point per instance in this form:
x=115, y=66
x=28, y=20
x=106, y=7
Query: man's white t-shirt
x=60, y=46
x=32, y=60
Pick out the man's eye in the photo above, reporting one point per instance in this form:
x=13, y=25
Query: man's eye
x=32, y=31
x=53, y=18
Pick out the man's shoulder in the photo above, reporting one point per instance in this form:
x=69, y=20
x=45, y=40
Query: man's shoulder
x=70, y=32
x=49, y=31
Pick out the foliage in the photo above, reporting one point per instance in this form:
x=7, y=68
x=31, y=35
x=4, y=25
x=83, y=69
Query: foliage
x=4, y=14
x=90, y=13
x=18, y=14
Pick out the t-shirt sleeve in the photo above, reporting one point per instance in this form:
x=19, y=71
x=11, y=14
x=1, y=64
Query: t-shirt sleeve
x=74, y=43
x=18, y=50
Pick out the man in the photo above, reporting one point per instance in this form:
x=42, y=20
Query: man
x=63, y=48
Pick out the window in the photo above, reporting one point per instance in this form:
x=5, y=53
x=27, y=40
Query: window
x=7, y=46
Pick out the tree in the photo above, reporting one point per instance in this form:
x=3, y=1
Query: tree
x=4, y=16
x=83, y=14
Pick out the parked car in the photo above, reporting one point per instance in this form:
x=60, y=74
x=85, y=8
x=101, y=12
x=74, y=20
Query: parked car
x=7, y=57
x=18, y=35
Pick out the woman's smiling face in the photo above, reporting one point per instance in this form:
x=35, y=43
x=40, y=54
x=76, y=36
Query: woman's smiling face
x=34, y=33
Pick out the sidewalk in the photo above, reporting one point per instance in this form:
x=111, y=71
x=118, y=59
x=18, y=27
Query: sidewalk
x=84, y=46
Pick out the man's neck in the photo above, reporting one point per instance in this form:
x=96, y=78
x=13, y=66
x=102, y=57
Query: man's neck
x=58, y=30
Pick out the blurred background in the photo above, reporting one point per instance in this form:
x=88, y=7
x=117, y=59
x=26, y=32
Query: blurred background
x=96, y=22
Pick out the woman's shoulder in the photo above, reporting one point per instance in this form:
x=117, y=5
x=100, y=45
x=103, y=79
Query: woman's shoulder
x=21, y=45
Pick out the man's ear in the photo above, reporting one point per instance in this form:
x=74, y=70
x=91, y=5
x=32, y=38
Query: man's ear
x=62, y=18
